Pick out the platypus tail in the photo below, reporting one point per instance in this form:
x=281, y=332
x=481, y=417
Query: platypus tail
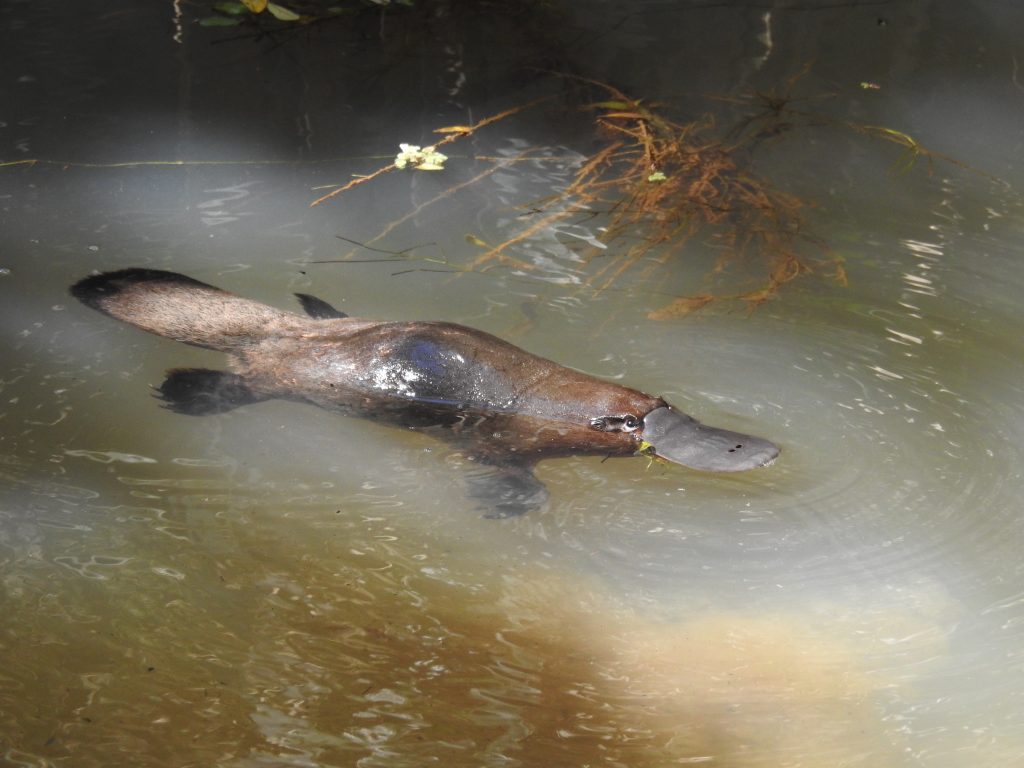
x=180, y=308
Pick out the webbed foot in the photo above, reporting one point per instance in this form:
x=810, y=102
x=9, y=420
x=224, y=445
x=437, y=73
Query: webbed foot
x=203, y=392
x=506, y=490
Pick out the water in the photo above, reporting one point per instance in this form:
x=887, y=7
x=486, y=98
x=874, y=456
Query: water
x=281, y=586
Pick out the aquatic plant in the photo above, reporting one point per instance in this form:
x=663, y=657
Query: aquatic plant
x=420, y=158
x=264, y=13
x=658, y=182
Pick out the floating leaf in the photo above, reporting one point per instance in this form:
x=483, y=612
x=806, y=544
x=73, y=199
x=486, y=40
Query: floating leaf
x=256, y=6
x=219, y=21
x=474, y=240
x=231, y=8
x=613, y=105
x=281, y=13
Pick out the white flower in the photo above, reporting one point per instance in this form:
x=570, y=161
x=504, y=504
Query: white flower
x=425, y=159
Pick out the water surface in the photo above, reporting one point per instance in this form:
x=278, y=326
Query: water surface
x=279, y=586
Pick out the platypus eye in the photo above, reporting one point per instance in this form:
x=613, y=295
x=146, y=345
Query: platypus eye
x=624, y=423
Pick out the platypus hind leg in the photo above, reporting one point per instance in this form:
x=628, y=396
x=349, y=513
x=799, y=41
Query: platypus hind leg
x=202, y=392
x=506, y=490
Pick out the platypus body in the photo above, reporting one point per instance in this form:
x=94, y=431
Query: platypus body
x=503, y=406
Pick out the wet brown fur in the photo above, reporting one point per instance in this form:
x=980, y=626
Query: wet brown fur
x=491, y=398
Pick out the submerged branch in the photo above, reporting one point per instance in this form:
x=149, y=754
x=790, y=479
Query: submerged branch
x=655, y=182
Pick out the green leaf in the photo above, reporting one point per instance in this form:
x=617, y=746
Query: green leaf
x=281, y=13
x=218, y=21
x=231, y=8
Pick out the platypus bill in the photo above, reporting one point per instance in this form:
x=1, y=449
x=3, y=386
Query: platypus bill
x=502, y=406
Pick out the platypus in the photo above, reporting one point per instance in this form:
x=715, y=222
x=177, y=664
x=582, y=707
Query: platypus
x=500, y=405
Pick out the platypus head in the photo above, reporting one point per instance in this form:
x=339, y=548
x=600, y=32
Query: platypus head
x=677, y=437
x=674, y=436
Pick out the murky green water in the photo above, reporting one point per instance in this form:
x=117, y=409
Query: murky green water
x=279, y=586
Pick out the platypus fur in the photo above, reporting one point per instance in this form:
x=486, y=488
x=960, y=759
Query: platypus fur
x=502, y=406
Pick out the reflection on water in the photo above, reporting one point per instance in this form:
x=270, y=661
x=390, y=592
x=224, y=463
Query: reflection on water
x=338, y=637
x=282, y=587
